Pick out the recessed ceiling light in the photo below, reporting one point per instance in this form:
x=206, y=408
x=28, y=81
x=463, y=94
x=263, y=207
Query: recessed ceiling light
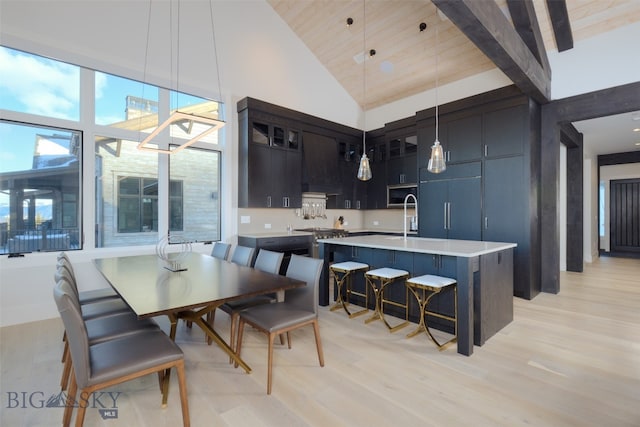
x=636, y=130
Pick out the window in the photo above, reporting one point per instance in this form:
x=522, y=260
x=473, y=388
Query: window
x=125, y=104
x=195, y=187
x=126, y=194
x=40, y=181
x=138, y=205
x=36, y=85
x=133, y=204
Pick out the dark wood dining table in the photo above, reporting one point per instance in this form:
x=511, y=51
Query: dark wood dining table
x=204, y=283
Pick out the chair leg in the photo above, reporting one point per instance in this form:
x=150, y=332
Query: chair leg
x=232, y=333
x=66, y=370
x=281, y=339
x=289, y=339
x=272, y=338
x=71, y=397
x=82, y=407
x=165, y=387
x=182, y=383
x=239, y=343
x=316, y=331
x=65, y=351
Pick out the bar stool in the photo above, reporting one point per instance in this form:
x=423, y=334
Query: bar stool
x=343, y=276
x=433, y=285
x=385, y=276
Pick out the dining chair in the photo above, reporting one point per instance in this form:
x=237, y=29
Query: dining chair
x=267, y=261
x=299, y=309
x=221, y=250
x=101, y=329
x=243, y=255
x=115, y=361
x=99, y=308
x=90, y=296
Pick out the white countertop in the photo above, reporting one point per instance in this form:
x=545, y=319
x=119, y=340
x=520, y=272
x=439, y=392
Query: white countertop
x=283, y=233
x=459, y=248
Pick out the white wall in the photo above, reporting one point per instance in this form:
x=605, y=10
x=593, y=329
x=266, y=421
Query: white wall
x=562, y=199
x=596, y=63
x=590, y=213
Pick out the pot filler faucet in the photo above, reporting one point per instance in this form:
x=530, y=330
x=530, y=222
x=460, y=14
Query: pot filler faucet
x=405, y=213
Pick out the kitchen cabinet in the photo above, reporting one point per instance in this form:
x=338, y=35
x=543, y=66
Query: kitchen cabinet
x=450, y=203
x=402, y=164
x=463, y=141
x=354, y=191
x=376, y=187
x=504, y=131
x=270, y=171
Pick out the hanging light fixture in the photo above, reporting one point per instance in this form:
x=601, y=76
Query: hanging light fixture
x=205, y=122
x=436, y=161
x=364, y=170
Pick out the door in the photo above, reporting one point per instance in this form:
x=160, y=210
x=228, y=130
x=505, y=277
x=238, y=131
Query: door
x=431, y=212
x=625, y=215
x=464, y=209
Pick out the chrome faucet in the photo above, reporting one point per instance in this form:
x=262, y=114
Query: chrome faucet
x=405, y=212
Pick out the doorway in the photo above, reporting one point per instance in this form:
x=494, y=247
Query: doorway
x=624, y=208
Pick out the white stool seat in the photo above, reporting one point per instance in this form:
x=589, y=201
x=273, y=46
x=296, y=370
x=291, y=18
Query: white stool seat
x=387, y=273
x=432, y=281
x=349, y=266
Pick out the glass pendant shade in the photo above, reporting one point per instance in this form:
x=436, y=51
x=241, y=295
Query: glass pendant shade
x=364, y=170
x=436, y=162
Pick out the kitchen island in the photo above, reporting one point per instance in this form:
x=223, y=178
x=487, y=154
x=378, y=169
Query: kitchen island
x=483, y=270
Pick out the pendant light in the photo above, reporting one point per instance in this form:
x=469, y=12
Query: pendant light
x=364, y=170
x=205, y=122
x=436, y=161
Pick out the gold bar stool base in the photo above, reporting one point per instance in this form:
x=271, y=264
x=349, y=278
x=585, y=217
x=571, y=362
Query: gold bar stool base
x=385, y=276
x=342, y=274
x=419, y=286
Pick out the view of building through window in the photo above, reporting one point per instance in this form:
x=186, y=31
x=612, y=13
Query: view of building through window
x=40, y=178
x=39, y=188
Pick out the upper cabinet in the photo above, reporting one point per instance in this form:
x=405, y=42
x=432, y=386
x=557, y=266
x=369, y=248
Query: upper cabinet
x=463, y=140
x=284, y=152
x=505, y=132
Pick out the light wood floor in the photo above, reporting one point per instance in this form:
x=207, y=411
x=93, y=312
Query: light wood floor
x=571, y=359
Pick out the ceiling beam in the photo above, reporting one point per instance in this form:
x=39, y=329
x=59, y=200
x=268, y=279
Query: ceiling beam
x=524, y=19
x=485, y=25
x=561, y=24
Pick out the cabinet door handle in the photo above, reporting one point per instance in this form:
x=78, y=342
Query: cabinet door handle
x=268, y=201
x=448, y=215
x=486, y=150
x=486, y=222
x=444, y=214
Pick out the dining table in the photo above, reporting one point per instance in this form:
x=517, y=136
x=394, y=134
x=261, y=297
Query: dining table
x=188, y=287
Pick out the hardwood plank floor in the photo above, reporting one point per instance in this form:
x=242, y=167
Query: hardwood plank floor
x=571, y=359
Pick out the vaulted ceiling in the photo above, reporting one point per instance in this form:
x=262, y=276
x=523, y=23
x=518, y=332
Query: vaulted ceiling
x=409, y=60
x=405, y=57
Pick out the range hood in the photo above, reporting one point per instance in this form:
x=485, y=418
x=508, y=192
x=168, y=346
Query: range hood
x=321, y=170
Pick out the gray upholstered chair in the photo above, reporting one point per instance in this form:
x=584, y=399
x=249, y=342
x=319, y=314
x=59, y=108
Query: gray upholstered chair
x=267, y=261
x=102, y=329
x=299, y=308
x=99, y=308
x=243, y=255
x=115, y=361
x=90, y=296
x=220, y=250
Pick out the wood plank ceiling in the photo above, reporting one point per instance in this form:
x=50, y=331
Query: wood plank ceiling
x=405, y=60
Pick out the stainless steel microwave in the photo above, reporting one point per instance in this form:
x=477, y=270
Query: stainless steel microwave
x=397, y=193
